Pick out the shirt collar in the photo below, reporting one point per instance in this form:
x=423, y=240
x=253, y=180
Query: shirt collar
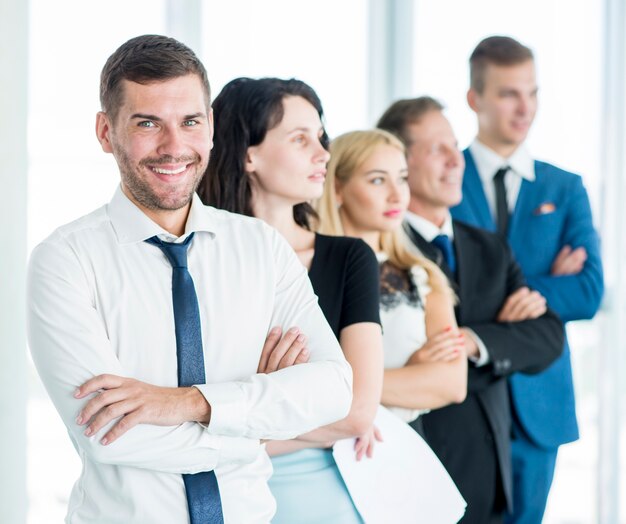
x=132, y=225
x=427, y=229
x=488, y=162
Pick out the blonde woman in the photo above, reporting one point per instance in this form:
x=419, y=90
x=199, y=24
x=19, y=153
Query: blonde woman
x=366, y=195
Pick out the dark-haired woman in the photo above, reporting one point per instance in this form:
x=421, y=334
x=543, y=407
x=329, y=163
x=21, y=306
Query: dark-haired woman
x=268, y=161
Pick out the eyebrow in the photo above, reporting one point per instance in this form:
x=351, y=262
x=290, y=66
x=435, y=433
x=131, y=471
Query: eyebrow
x=145, y=116
x=304, y=129
x=383, y=171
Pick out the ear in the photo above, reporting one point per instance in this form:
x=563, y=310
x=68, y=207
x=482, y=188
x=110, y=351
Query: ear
x=211, y=128
x=103, y=129
x=472, y=99
x=250, y=164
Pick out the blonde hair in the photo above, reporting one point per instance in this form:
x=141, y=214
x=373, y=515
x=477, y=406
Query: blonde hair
x=348, y=153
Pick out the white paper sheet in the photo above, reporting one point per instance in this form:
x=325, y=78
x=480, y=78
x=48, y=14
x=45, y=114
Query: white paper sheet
x=403, y=482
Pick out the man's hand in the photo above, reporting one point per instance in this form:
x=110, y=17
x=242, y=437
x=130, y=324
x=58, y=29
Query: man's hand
x=137, y=403
x=569, y=261
x=364, y=444
x=522, y=304
x=279, y=353
x=444, y=346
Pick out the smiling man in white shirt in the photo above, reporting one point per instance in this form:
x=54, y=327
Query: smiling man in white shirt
x=101, y=317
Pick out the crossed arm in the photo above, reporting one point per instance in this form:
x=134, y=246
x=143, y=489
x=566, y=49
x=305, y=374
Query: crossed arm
x=524, y=336
x=128, y=402
x=573, y=286
x=436, y=374
x=362, y=346
x=71, y=347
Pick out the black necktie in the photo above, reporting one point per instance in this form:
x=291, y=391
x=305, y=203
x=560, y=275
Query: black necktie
x=502, y=207
x=444, y=244
x=203, y=494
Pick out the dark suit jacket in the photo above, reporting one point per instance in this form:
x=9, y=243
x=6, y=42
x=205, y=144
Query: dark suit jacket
x=486, y=275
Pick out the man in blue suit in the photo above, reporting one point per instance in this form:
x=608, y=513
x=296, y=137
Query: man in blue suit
x=544, y=213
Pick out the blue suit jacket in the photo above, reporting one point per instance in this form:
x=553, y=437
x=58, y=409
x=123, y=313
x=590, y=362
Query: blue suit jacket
x=550, y=212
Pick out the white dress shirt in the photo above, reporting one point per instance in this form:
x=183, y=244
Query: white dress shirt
x=488, y=162
x=429, y=231
x=100, y=301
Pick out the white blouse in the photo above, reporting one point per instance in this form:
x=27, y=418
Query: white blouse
x=402, y=300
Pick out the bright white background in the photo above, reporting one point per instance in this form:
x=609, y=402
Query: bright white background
x=324, y=43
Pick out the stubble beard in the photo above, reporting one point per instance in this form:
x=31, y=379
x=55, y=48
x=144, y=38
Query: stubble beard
x=144, y=193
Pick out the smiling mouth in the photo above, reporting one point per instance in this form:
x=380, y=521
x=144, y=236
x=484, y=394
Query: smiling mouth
x=163, y=171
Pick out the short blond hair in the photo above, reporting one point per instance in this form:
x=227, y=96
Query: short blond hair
x=348, y=153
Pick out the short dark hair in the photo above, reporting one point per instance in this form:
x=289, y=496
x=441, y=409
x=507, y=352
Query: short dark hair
x=245, y=110
x=145, y=59
x=498, y=50
x=402, y=113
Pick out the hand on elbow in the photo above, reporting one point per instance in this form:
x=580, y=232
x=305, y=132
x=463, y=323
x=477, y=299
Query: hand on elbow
x=522, y=304
x=133, y=402
x=445, y=346
x=280, y=352
x=569, y=261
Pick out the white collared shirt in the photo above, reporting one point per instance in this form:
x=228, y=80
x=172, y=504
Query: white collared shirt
x=99, y=301
x=427, y=229
x=488, y=162
x=428, y=232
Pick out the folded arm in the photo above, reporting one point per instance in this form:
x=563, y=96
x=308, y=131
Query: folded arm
x=70, y=346
x=423, y=384
x=525, y=336
x=574, y=295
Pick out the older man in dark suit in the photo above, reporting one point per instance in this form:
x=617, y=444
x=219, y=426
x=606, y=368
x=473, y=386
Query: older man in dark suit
x=507, y=326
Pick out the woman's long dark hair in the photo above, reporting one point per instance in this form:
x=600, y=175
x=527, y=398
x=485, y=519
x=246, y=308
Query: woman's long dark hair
x=244, y=112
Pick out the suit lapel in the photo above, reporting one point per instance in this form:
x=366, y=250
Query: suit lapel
x=474, y=195
x=464, y=256
x=432, y=253
x=520, y=218
x=428, y=250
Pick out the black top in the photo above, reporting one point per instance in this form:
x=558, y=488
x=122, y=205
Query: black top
x=344, y=274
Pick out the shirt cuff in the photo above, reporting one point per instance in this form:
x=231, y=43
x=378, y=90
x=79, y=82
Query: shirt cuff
x=483, y=354
x=228, y=411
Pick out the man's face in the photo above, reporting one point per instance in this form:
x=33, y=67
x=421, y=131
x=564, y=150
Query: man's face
x=435, y=166
x=161, y=140
x=507, y=106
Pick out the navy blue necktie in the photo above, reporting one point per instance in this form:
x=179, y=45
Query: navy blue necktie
x=444, y=244
x=502, y=207
x=203, y=494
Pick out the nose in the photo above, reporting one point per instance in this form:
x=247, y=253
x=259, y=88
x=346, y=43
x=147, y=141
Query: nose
x=172, y=142
x=394, y=192
x=321, y=155
x=454, y=157
x=524, y=105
